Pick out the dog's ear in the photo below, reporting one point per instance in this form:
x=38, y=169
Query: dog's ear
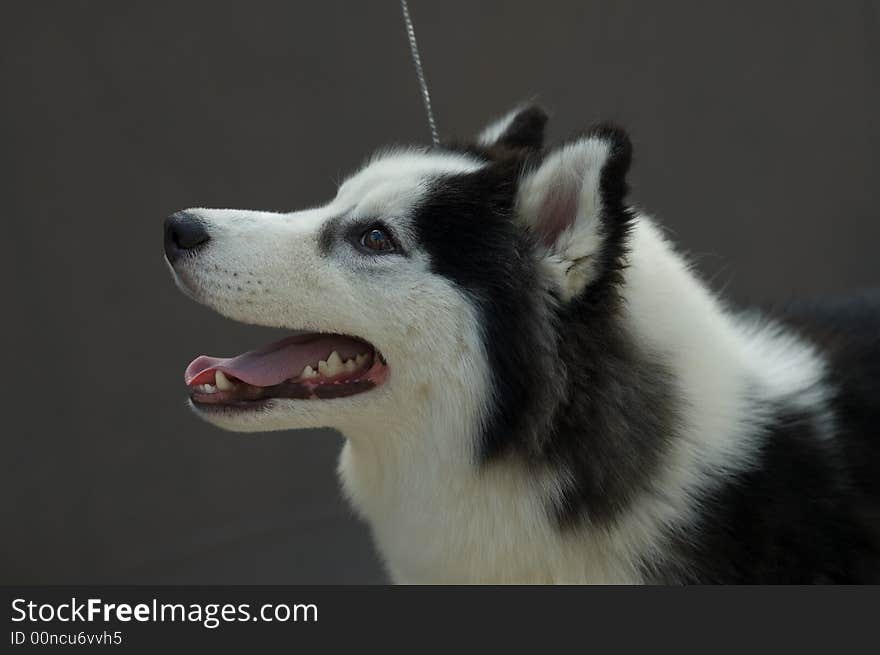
x=573, y=203
x=523, y=127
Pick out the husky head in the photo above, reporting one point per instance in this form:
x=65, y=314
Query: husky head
x=429, y=291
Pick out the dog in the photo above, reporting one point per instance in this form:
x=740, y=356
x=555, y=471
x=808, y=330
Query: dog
x=533, y=383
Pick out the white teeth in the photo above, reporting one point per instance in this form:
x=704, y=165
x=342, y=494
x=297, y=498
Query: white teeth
x=205, y=388
x=334, y=364
x=223, y=382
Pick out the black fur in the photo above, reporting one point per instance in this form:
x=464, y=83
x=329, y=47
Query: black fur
x=809, y=511
x=792, y=519
x=526, y=130
x=613, y=425
x=467, y=227
x=847, y=329
x=615, y=421
x=809, y=508
x=541, y=408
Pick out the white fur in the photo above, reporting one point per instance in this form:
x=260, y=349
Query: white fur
x=437, y=518
x=264, y=268
x=408, y=464
x=719, y=369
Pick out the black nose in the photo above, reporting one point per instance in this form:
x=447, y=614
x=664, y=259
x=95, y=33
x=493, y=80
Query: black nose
x=183, y=232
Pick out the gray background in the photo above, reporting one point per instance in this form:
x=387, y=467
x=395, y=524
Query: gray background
x=756, y=139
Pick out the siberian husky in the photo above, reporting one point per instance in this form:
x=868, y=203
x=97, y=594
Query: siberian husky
x=534, y=385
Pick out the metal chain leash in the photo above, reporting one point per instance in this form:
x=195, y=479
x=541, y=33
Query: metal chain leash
x=417, y=61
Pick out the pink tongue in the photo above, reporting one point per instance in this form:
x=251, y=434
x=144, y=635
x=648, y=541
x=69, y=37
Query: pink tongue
x=275, y=363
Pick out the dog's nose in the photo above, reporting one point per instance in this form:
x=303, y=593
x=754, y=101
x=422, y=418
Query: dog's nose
x=183, y=232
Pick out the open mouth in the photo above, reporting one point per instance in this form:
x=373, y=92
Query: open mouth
x=303, y=367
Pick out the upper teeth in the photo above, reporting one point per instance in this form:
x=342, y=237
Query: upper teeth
x=331, y=367
x=334, y=365
x=220, y=380
x=223, y=382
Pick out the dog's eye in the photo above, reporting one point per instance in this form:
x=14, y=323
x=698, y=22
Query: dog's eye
x=377, y=239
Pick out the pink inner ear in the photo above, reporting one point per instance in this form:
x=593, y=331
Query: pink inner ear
x=558, y=212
